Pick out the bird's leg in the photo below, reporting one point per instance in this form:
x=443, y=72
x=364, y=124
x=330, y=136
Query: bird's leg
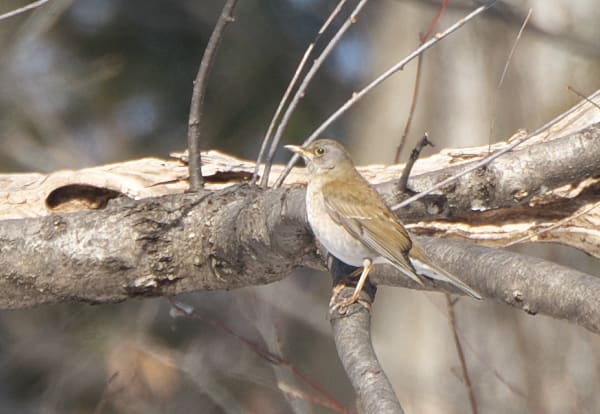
x=343, y=304
x=367, y=265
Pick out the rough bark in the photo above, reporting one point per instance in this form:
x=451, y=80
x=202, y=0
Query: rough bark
x=352, y=336
x=232, y=235
x=547, y=190
x=235, y=237
x=159, y=246
x=528, y=283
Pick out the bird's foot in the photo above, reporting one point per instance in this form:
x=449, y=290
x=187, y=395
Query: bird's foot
x=341, y=304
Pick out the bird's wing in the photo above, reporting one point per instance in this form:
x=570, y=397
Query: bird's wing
x=370, y=221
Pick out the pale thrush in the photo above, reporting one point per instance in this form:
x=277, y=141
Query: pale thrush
x=352, y=221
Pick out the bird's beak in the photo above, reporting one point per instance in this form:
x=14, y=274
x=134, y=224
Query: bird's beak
x=298, y=150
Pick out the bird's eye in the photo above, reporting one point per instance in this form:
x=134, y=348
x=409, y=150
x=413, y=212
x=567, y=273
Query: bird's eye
x=320, y=151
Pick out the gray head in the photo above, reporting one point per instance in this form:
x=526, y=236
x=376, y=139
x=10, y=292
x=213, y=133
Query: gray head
x=323, y=155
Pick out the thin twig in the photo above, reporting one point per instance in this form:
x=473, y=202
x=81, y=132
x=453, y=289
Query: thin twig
x=22, y=9
x=510, y=386
x=571, y=89
x=413, y=104
x=357, y=96
x=484, y=362
x=106, y=393
x=504, y=72
x=411, y=112
x=514, y=47
x=491, y=157
x=461, y=354
x=284, y=99
x=199, y=93
x=295, y=393
x=260, y=350
x=302, y=88
x=414, y=156
x=402, y=186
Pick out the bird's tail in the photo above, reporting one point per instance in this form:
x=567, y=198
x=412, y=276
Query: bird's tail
x=424, y=267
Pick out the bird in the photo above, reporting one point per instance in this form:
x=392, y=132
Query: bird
x=352, y=221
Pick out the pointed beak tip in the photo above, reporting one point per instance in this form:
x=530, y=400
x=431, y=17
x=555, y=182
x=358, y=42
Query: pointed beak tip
x=296, y=150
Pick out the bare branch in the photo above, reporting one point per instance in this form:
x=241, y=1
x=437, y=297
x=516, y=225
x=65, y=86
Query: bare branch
x=187, y=242
x=505, y=71
x=352, y=336
x=490, y=158
x=413, y=103
x=199, y=92
x=324, y=398
x=357, y=96
x=524, y=282
x=158, y=246
x=461, y=355
x=305, y=82
x=23, y=9
x=414, y=156
x=564, y=158
x=290, y=88
x=360, y=362
x=588, y=100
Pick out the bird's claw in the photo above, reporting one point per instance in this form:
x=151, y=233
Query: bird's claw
x=342, y=304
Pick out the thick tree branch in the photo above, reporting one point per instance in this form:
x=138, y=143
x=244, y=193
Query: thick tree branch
x=231, y=235
x=222, y=240
x=528, y=283
x=549, y=189
x=518, y=176
x=232, y=238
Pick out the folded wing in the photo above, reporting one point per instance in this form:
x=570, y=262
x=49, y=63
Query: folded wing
x=373, y=223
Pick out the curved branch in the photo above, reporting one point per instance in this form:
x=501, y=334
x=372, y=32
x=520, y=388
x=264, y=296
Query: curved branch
x=528, y=283
x=352, y=336
x=353, y=340
x=237, y=237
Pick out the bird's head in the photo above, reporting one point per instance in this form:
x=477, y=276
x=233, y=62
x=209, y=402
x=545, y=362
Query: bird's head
x=323, y=155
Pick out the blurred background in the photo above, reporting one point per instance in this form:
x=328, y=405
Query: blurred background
x=87, y=82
